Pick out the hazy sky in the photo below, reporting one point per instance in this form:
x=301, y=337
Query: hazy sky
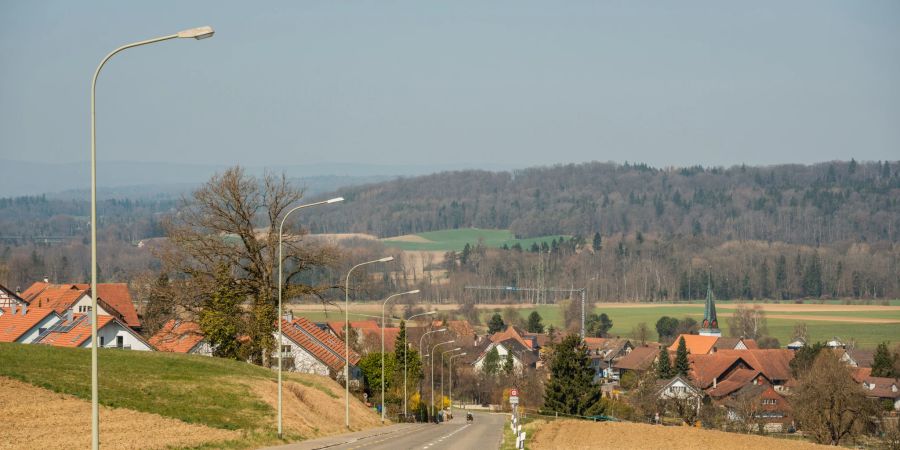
x=426, y=82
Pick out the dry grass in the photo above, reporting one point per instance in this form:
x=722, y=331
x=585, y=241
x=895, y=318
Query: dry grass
x=39, y=418
x=574, y=434
x=311, y=412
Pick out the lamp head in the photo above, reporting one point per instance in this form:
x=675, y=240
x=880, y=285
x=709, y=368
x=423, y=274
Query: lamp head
x=335, y=200
x=440, y=329
x=386, y=259
x=197, y=33
x=414, y=291
x=455, y=349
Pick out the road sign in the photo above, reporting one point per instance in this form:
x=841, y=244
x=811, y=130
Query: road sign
x=513, y=400
x=513, y=392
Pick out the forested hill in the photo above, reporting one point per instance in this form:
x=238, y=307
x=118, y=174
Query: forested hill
x=827, y=202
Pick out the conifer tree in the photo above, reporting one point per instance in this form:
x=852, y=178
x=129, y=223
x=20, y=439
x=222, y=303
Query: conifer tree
x=496, y=325
x=571, y=389
x=883, y=364
x=682, y=366
x=664, y=367
x=534, y=324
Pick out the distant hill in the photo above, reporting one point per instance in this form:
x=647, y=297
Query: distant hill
x=134, y=178
x=808, y=204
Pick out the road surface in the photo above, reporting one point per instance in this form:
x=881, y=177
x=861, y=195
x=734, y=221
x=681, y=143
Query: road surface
x=485, y=432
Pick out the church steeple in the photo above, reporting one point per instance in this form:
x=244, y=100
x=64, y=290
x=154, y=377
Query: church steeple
x=710, y=326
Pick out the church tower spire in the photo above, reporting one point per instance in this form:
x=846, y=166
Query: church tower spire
x=710, y=326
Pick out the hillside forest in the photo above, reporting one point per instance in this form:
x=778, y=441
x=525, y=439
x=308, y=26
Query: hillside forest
x=633, y=233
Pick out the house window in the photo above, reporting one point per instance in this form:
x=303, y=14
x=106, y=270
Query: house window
x=285, y=348
x=120, y=341
x=769, y=401
x=102, y=341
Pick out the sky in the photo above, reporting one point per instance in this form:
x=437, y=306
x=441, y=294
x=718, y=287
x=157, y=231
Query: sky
x=504, y=83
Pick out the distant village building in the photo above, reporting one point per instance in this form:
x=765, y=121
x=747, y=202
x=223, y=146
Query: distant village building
x=307, y=348
x=710, y=325
x=181, y=336
x=9, y=298
x=75, y=331
x=24, y=325
x=113, y=299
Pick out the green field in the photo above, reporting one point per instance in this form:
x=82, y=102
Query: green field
x=447, y=240
x=193, y=389
x=867, y=335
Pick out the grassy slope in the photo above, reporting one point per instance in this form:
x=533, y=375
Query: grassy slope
x=194, y=389
x=446, y=240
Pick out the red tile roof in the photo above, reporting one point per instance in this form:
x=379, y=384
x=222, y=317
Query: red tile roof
x=882, y=387
x=511, y=333
x=118, y=296
x=177, y=336
x=337, y=326
x=696, y=344
x=62, y=296
x=640, y=358
x=324, y=346
x=77, y=334
x=13, y=326
x=733, y=381
x=773, y=363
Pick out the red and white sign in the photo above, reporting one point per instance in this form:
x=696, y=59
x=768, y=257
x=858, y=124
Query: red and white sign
x=513, y=392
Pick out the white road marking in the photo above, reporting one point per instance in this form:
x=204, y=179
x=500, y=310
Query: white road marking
x=438, y=440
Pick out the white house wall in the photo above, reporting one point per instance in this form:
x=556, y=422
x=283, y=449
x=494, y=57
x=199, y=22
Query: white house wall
x=35, y=331
x=202, y=348
x=84, y=305
x=111, y=331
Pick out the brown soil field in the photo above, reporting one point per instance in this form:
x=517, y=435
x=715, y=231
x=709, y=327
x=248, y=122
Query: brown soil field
x=334, y=237
x=406, y=238
x=574, y=434
x=38, y=418
x=309, y=411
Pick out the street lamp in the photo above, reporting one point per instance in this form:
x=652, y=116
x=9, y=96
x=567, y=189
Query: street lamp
x=405, y=364
x=414, y=291
x=196, y=33
x=450, y=362
x=433, y=349
x=442, y=372
x=347, y=335
x=280, y=275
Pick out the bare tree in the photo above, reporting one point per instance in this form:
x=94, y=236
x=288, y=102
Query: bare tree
x=829, y=405
x=748, y=322
x=233, y=221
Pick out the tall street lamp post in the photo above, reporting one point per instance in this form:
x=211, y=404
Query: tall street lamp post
x=421, y=341
x=405, y=364
x=442, y=372
x=196, y=33
x=450, y=362
x=347, y=336
x=383, y=307
x=280, y=275
x=433, y=349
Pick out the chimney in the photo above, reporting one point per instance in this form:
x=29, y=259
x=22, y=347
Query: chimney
x=289, y=316
x=18, y=290
x=24, y=308
x=12, y=308
x=46, y=280
x=714, y=382
x=69, y=315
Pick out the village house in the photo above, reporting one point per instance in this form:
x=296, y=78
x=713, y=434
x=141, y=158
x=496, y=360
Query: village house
x=638, y=360
x=307, y=348
x=680, y=389
x=604, y=352
x=21, y=324
x=522, y=356
x=75, y=331
x=9, y=298
x=882, y=389
x=181, y=336
x=114, y=299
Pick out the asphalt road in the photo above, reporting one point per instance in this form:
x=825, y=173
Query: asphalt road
x=485, y=432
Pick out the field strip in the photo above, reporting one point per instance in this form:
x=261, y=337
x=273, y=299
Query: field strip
x=38, y=418
x=813, y=317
